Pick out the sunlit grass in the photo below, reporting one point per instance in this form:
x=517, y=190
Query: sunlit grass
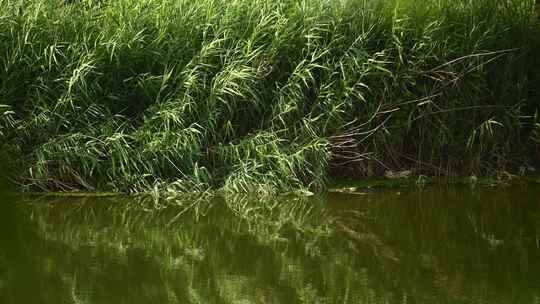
x=260, y=96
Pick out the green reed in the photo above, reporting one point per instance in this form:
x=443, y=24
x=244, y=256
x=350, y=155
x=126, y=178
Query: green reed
x=261, y=96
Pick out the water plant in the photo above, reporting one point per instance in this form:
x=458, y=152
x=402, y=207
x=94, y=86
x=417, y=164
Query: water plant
x=261, y=96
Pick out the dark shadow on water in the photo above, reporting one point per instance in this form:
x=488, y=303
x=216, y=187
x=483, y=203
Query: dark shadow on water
x=16, y=243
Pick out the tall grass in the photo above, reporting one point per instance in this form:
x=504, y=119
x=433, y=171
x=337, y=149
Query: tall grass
x=261, y=96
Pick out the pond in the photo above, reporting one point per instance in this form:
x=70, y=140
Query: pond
x=439, y=244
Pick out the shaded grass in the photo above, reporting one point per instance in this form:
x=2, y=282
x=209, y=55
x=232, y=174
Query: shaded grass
x=262, y=96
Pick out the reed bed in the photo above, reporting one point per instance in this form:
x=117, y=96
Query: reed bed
x=262, y=96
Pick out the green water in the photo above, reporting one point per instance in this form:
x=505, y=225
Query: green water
x=436, y=245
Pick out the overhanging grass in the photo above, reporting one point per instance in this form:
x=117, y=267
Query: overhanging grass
x=263, y=96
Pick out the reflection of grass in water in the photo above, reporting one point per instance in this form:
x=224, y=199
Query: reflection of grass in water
x=306, y=258
x=181, y=237
x=233, y=249
x=182, y=228
x=443, y=237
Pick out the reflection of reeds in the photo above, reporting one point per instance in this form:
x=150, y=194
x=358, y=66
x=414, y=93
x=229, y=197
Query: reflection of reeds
x=266, y=221
x=182, y=237
x=390, y=249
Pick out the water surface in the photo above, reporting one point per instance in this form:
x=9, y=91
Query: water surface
x=434, y=245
